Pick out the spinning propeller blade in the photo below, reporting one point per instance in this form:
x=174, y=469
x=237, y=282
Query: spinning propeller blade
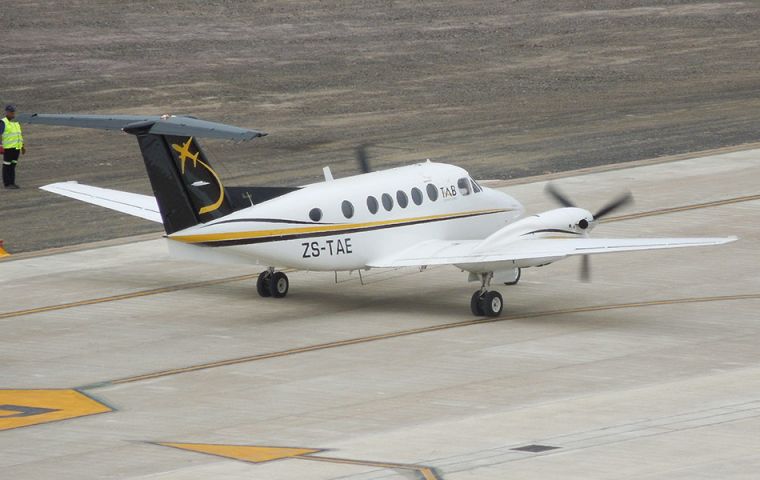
x=619, y=202
x=363, y=158
x=585, y=269
x=560, y=197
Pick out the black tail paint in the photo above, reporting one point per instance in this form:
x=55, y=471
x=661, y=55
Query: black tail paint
x=186, y=187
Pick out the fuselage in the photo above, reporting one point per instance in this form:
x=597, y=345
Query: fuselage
x=344, y=224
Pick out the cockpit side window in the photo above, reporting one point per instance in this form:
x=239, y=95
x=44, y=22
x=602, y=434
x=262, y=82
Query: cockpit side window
x=464, y=186
x=475, y=187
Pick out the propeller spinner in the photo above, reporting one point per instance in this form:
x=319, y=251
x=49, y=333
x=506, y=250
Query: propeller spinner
x=619, y=202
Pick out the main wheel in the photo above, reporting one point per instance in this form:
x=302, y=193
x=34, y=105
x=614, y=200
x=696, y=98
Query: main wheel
x=491, y=303
x=475, y=305
x=519, y=274
x=279, y=285
x=262, y=284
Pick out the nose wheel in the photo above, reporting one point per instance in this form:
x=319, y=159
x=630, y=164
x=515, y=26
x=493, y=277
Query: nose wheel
x=485, y=303
x=272, y=284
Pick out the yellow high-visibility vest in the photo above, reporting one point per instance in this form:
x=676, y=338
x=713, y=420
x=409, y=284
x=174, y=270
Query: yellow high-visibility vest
x=12, y=134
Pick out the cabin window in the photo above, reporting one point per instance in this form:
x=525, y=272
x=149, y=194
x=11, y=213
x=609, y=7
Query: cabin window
x=464, y=185
x=348, y=209
x=417, y=196
x=387, y=201
x=315, y=214
x=475, y=187
x=372, y=204
x=432, y=192
x=402, y=199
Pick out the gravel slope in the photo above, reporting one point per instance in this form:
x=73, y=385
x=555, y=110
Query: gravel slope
x=502, y=88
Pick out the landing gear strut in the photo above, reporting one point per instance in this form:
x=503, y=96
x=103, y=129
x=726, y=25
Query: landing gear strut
x=272, y=284
x=484, y=302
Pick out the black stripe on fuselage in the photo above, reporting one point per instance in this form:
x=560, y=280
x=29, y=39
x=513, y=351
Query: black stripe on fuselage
x=268, y=220
x=297, y=236
x=550, y=230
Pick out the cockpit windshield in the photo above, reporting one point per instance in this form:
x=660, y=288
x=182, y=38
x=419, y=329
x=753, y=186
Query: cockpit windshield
x=464, y=186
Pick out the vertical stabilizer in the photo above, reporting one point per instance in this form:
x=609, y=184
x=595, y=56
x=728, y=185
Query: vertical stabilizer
x=186, y=187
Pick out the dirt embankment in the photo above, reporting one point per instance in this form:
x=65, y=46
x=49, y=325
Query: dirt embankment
x=502, y=88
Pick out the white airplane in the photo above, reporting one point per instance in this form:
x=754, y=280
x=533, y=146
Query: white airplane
x=418, y=215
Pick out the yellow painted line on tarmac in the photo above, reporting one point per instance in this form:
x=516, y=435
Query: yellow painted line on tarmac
x=47, y=252
x=126, y=296
x=262, y=454
x=426, y=472
x=23, y=408
x=415, y=331
x=246, y=453
x=683, y=208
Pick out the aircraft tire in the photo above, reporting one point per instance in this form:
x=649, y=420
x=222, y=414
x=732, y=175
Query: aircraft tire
x=279, y=285
x=492, y=303
x=262, y=284
x=475, y=304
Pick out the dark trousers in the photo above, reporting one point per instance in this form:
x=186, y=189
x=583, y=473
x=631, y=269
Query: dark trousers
x=10, y=159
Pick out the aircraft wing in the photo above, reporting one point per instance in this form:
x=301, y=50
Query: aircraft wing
x=466, y=254
x=143, y=206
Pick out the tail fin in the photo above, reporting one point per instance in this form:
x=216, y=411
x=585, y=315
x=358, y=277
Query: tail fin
x=186, y=187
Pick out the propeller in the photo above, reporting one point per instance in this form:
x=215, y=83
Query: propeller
x=586, y=269
x=363, y=158
x=557, y=195
x=620, y=201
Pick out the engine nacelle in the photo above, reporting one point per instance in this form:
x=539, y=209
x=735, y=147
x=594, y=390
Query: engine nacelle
x=565, y=222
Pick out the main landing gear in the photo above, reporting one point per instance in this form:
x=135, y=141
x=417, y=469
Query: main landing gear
x=272, y=284
x=484, y=302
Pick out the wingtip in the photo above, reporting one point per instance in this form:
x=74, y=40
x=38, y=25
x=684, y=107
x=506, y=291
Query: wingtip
x=53, y=185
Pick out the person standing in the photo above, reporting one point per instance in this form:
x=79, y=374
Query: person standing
x=11, y=146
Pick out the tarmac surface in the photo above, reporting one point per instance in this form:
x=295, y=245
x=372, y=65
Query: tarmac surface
x=137, y=366
x=503, y=88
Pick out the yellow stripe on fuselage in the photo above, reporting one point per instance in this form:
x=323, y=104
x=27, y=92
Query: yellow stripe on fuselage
x=216, y=237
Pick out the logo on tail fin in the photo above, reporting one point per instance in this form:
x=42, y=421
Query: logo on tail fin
x=184, y=155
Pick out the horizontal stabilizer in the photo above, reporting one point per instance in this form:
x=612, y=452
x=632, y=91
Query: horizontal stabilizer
x=159, y=125
x=143, y=206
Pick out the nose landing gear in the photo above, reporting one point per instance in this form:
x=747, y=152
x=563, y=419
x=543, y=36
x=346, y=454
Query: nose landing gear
x=272, y=284
x=484, y=302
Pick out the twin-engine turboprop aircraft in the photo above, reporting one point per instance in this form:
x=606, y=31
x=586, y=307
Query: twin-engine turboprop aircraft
x=418, y=215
